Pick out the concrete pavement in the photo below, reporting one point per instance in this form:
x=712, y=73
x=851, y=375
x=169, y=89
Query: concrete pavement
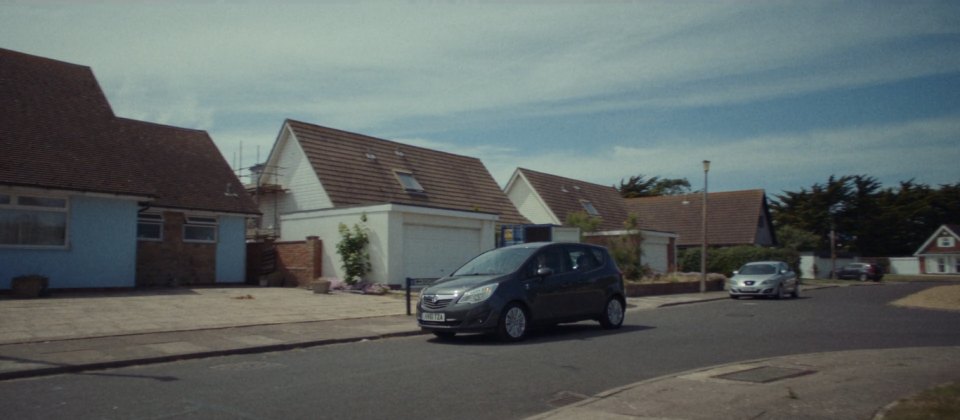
x=72, y=332
x=838, y=385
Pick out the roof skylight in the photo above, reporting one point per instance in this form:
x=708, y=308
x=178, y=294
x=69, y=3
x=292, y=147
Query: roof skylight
x=409, y=182
x=588, y=206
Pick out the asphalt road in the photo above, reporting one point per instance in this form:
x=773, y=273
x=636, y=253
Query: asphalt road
x=476, y=377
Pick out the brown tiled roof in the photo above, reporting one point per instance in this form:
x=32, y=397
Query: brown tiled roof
x=186, y=169
x=57, y=131
x=732, y=217
x=350, y=178
x=565, y=195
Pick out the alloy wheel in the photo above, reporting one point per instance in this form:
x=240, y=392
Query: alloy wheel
x=613, y=316
x=515, y=322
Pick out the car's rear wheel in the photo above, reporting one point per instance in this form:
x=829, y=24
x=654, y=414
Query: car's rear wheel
x=444, y=335
x=796, y=291
x=613, y=314
x=513, y=323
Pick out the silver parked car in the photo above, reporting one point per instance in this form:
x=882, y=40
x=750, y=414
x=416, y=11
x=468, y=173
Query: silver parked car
x=764, y=278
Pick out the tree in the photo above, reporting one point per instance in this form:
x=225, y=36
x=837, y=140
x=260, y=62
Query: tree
x=797, y=239
x=627, y=249
x=868, y=219
x=584, y=221
x=637, y=186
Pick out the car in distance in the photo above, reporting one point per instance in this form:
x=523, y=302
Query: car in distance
x=860, y=271
x=764, y=278
x=508, y=290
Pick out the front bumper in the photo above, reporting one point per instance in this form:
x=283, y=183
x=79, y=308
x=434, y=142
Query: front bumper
x=480, y=317
x=761, y=290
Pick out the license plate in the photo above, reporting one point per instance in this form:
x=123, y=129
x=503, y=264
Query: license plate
x=433, y=316
x=748, y=289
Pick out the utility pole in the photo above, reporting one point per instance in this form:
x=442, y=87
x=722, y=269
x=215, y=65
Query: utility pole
x=703, y=238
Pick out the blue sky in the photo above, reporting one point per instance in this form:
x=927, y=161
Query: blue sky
x=778, y=95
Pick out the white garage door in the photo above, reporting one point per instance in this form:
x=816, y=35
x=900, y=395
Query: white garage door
x=432, y=251
x=655, y=256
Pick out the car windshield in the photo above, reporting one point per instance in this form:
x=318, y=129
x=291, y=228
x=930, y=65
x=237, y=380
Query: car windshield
x=758, y=269
x=497, y=261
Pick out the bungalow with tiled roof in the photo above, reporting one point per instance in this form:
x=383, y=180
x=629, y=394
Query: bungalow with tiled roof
x=940, y=254
x=733, y=217
x=551, y=199
x=91, y=200
x=428, y=211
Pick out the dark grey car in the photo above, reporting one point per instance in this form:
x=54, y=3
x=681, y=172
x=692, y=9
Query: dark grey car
x=508, y=290
x=861, y=271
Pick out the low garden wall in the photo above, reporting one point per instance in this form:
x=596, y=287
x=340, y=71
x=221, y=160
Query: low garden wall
x=669, y=288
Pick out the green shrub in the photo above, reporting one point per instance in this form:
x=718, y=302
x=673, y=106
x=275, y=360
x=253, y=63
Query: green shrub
x=353, y=251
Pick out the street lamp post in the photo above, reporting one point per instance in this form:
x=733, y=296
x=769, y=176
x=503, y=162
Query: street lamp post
x=703, y=237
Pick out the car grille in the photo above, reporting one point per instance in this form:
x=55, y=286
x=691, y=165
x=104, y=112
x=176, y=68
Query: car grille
x=436, y=301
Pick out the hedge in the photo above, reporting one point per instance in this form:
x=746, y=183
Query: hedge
x=727, y=260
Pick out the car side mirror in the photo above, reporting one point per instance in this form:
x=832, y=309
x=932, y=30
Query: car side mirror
x=736, y=272
x=544, y=271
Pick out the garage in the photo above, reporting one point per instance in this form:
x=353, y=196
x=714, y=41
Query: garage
x=435, y=251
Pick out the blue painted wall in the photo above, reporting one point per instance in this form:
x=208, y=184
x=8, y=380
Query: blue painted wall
x=102, y=248
x=231, y=250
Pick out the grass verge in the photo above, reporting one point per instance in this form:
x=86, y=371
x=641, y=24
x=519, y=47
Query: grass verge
x=942, y=402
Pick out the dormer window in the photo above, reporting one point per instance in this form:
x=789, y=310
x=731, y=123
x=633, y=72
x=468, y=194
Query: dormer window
x=946, y=242
x=588, y=206
x=409, y=182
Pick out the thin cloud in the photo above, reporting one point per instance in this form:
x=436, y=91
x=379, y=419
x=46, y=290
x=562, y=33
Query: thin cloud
x=420, y=69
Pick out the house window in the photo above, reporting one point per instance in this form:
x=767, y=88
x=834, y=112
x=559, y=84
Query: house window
x=30, y=221
x=941, y=265
x=588, y=206
x=408, y=182
x=200, y=229
x=150, y=227
x=945, y=242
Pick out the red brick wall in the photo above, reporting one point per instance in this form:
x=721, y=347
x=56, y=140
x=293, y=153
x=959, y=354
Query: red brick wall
x=300, y=261
x=173, y=262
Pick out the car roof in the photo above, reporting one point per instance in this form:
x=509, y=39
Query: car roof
x=764, y=262
x=543, y=244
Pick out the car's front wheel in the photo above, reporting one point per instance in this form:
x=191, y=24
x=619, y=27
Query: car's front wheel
x=513, y=323
x=613, y=314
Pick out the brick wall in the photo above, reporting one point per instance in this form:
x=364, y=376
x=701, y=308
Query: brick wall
x=172, y=262
x=300, y=261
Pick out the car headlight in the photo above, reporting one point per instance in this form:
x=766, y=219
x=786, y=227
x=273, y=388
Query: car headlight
x=478, y=295
x=771, y=281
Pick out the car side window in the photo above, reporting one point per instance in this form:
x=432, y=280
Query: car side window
x=581, y=259
x=598, y=255
x=551, y=257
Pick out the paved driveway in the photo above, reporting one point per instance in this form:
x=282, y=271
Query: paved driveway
x=74, y=315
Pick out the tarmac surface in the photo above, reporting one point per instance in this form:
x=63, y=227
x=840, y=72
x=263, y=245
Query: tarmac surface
x=73, y=332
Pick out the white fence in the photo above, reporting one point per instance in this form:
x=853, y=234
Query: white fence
x=814, y=267
x=905, y=265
